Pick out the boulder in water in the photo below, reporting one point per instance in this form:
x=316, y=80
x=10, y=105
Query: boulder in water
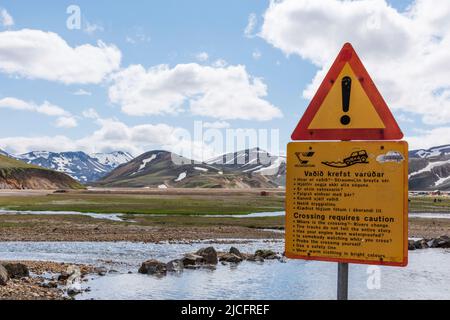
x=153, y=267
x=209, y=255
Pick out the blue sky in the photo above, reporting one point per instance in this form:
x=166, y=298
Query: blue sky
x=204, y=45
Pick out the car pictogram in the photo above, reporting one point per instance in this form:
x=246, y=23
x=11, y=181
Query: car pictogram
x=356, y=157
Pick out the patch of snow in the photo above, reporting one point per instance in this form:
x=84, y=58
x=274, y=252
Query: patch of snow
x=146, y=161
x=162, y=186
x=113, y=159
x=201, y=169
x=430, y=166
x=441, y=181
x=272, y=169
x=182, y=176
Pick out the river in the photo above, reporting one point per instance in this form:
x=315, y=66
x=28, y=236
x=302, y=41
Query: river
x=426, y=277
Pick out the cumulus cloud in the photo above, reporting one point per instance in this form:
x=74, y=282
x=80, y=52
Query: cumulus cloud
x=6, y=20
x=218, y=92
x=66, y=122
x=65, y=118
x=90, y=114
x=251, y=25
x=425, y=139
x=37, y=54
x=405, y=52
x=82, y=92
x=256, y=54
x=202, y=56
x=216, y=125
x=115, y=135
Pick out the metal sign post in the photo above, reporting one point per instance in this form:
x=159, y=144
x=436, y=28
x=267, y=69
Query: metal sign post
x=342, y=281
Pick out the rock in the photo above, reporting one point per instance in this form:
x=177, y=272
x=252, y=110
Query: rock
x=3, y=276
x=209, y=254
x=174, y=266
x=254, y=258
x=443, y=242
x=236, y=251
x=73, y=291
x=421, y=244
x=411, y=245
x=101, y=271
x=231, y=257
x=153, y=267
x=17, y=270
x=432, y=243
x=265, y=253
x=63, y=276
x=191, y=259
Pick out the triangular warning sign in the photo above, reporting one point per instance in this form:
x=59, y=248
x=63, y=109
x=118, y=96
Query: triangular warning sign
x=347, y=106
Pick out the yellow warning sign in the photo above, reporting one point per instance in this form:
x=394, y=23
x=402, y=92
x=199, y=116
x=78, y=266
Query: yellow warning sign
x=347, y=202
x=347, y=106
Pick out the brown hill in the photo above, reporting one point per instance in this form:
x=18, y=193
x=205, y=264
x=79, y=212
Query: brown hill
x=16, y=174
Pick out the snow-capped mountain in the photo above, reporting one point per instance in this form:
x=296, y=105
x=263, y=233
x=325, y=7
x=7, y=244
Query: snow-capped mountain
x=113, y=159
x=430, y=169
x=431, y=153
x=253, y=160
x=4, y=153
x=78, y=165
x=252, y=168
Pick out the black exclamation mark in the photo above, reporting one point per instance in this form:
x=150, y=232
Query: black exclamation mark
x=346, y=90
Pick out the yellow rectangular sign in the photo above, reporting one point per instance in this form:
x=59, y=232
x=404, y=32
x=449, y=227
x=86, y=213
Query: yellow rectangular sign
x=348, y=202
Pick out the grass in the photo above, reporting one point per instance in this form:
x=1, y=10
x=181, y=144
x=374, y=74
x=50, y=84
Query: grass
x=429, y=204
x=203, y=221
x=8, y=164
x=146, y=204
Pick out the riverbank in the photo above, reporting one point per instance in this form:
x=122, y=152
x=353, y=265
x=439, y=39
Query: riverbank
x=147, y=228
x=40, y=280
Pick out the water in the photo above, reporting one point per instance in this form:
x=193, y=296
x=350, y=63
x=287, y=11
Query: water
x=120, y=216
x=426, y=277
x=102, y=216
x=430, y=215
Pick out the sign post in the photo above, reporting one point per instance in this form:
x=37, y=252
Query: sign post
x=342, y=283
x=347, y=201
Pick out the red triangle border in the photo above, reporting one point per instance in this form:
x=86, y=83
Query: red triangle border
x=391, y=131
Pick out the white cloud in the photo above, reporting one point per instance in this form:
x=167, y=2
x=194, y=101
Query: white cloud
x=405, y=52
x=218, y=92
x=91, y=28
x=216, y=125
x=139, y=36
x=82, y=92
x=202, y=56
x=220, y=63
x=91, y=114
x=113, y=135
x=256, y=54
x=65, y=118
x=66, y=122
x=426, y=139
x=37, y=54
x=6, y=20
x=251, y=25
